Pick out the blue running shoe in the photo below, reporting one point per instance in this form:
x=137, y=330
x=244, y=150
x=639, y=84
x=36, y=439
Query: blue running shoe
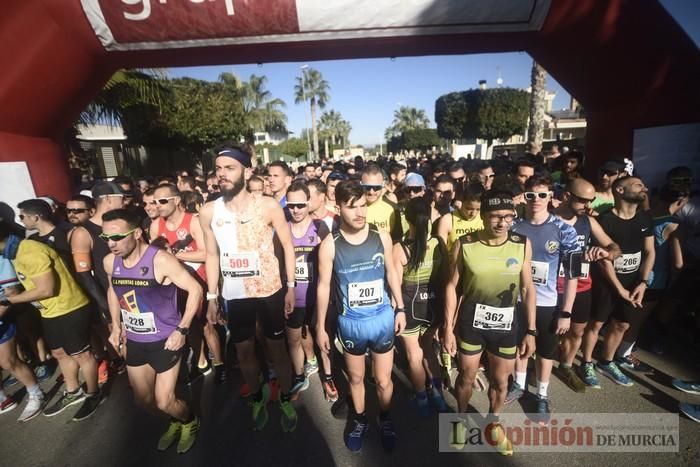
x=437, y=400
x=420, y=401
x=514, y=393
x=388, y=435
x=542, y=410
x=691, y=411
x=632, y=363
x=353, y=440
x=613, y=372
x=691, y=387
x=42, y=373
x=588, y=375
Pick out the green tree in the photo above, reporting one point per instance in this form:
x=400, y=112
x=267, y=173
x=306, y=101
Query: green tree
x=312, y=88
x=294, y=147
x=407, y=118
x=487, y=114
x=417, y=140
x=334, y=128
x=263, y=113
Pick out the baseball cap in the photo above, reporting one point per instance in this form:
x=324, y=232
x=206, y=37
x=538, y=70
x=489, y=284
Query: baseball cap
x=612, y=165
x=414, y=179
x=51, y=202
x=105, y=189
x=496, y=200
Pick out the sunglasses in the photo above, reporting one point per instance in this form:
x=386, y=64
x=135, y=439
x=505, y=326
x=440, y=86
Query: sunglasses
x=372, y=188
x=165, y=200
x=76, y=210
x=297, y=205
x=415, y=189
x=609, y=173
x=532, y=196
x=116, y=237
x=444, y=193
x=336, y=176
x=581, y=200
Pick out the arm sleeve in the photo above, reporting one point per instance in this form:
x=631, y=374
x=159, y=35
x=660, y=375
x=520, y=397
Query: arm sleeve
x=93, y=289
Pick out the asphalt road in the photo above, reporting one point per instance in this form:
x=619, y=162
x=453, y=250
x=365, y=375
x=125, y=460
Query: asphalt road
x=119, y=434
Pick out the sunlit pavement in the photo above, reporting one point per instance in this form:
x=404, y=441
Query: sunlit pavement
x=120, y=434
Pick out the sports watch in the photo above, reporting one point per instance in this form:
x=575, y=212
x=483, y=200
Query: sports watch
x=183, y=331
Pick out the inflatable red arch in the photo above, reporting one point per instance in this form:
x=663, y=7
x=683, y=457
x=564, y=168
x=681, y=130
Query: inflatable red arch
x=628, y=62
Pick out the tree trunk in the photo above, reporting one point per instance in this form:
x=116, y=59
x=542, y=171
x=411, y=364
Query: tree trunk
x=326, y=147
x=313, y=127
x=535, y=130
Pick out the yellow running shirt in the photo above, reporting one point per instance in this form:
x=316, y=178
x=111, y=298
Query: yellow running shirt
x=461, y=226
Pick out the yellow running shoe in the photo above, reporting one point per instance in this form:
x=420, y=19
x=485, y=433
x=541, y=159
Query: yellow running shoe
x=188, y=435
x=503, y=445
x=169, y=436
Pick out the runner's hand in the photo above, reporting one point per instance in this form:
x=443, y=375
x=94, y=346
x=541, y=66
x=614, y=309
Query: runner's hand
x=627, y=296
x=175, y=341
x=214, y=315
x=115, y=338
x=637, y=295
x=449, y=343
x=563, y=325
x=322, y=340
x=596, y=253
x=399, y=322
x=289, y=300
x=527, y=347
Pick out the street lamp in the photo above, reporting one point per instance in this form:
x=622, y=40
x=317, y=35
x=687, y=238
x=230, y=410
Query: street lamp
x=306, y=116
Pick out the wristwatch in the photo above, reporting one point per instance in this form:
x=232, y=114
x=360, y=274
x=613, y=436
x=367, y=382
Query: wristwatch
x=291, y=284
x=399, y=310
x=645, y=282
x=212, y=296
x=5, y=302
x=183, y=331
x=565, y=314
x=532, y=332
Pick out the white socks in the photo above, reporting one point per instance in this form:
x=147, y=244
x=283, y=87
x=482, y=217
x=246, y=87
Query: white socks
x=624, y=349
x=521, y=378
x=542, y=388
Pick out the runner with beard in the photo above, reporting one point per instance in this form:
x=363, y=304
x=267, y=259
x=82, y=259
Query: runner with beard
x=238, y=237
x=619, y=288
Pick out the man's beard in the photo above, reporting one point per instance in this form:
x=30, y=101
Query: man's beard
x=636, y=198
x=229, y=194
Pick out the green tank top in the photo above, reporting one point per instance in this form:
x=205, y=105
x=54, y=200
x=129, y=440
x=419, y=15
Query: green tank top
x=461, y=226
x=431, y=262
x=491, y=274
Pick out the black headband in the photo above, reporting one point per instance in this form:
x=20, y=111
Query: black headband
x=236, y=154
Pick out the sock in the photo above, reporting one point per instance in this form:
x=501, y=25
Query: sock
x=521, y=378
x=299, y=378
x=312, y=361
x=3, y=397
x=361, y=417
x=34, y=390
x=421, y=395
x=188, y=419
x=542, y=388
x=218, y=363
x=206, y=364
x=564, y=365
x=588, y=363
x=624, y=349
x=285, y=397
x=77, y=392
x=603, y=362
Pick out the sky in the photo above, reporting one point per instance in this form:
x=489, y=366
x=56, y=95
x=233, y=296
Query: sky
x=367, y=91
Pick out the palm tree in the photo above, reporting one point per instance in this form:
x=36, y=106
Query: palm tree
x=126, y=88
x=333, y=127
x=263, y=113
x=407, y=118
x=535, y=129
x=312, y=88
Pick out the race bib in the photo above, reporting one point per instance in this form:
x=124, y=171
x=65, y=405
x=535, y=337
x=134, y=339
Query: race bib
x=491, y=318
x=302, y=272
x=139, y=323
x=540, y=272
x=364, y=294
x=240, y=265
x=629, y=263
x=585, y=267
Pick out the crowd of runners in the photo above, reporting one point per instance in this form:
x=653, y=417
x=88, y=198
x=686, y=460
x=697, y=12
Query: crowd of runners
x=471, y=269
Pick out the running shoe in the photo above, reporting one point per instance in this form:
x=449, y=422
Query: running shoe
x=588, y=375
x=10, y=381
x=437, y=400
x=542, y=410
x=298, y=385
x=632, y=363
x=42, y=372
x=422, y=405
x=260, y=408
x=692, y=411
x=89, y=406
x=514, y=393
x=8, y=404
x=102, y=372
x=288, y=420
x=188, y=435
x=66, y=400
x=499, y=439
x=613, y=372
x=691, y=387
x=330, y=393
x=33, y=407
x=244, y=391
x=196, y=373
x=310, y=367
x=353, y=440
x=219, y=373
x=170, y=435
x=387, y=433
x=571, y=379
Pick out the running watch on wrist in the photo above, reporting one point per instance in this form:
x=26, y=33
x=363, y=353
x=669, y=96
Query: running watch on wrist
x=565, y=314
x=532, y=332
x=212, y=296
x=183, y=331
x=399, y=310
x=291, y=284
x=5, y=302
x=645, y=282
